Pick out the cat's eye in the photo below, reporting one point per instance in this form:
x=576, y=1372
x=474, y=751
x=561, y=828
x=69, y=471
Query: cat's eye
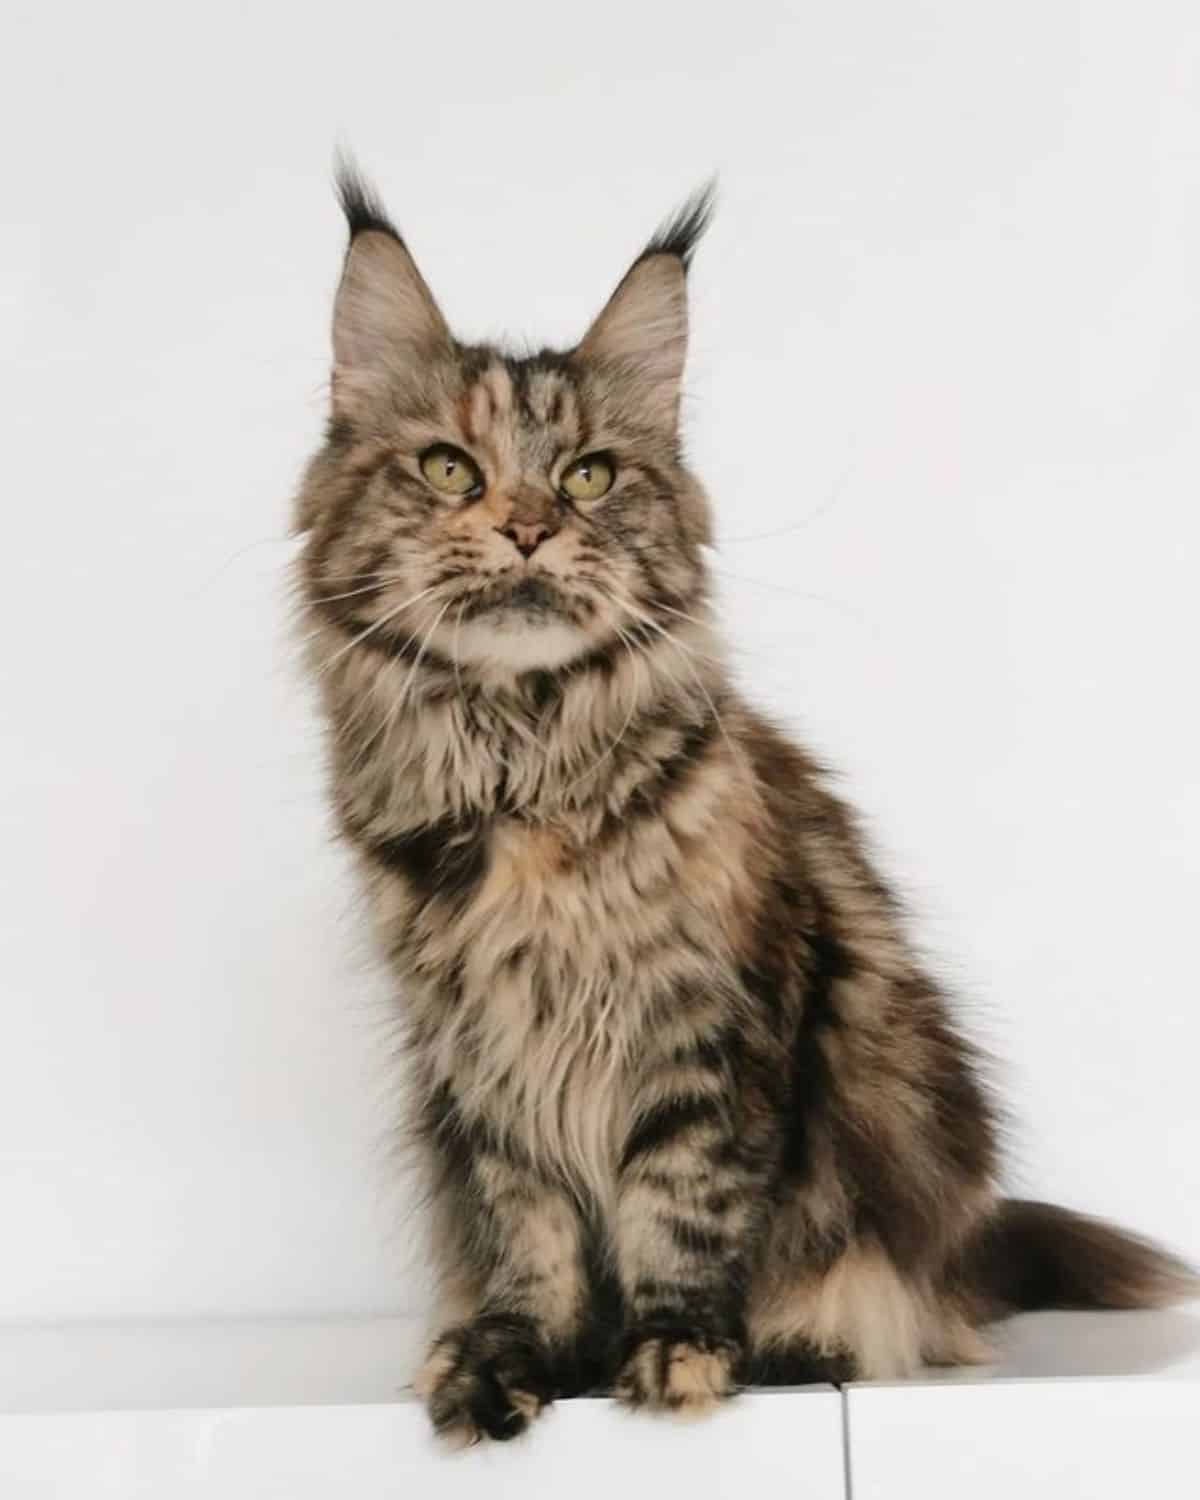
x=588, y=478
x=451, y=472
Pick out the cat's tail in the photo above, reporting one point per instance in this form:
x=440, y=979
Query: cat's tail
x=1034, y=1255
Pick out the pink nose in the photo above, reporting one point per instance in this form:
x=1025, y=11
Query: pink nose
x=527, y=536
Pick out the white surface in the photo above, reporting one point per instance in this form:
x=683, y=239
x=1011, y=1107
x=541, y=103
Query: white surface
x=1067, y=1345
x=333, y=1452
x=953, y=283
x=1079, y=1406
x=302, y=1410
x=1037, y=1440
x=130, y=1366
x=761, y=1447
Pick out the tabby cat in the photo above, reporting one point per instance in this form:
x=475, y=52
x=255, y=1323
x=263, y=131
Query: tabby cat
x=692, y=1113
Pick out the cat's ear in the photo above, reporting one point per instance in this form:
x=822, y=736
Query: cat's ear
x=641, y=335
x=384, y=315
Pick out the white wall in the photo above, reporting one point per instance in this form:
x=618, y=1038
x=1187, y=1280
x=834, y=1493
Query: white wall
x=953, y=286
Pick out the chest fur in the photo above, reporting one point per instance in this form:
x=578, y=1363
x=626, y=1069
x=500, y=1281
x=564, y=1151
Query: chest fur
x=547, y=981
x=539, y=982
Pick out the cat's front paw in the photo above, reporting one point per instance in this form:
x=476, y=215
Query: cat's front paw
x=682, y=1370
x=486, y=1378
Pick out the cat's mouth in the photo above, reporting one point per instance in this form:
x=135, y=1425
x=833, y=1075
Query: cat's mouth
x=529, y=594
x=521, y=621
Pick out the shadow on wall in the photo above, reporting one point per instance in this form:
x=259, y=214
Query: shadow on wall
x=1115, y=1343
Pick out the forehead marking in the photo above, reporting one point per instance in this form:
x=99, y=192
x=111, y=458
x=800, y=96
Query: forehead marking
x=553, y=402
x=569, y=416
x=543, y=392
x=489, y=401
x=487, y=420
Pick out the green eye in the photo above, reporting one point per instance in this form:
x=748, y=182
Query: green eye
x=588, y=478
x=450, y=471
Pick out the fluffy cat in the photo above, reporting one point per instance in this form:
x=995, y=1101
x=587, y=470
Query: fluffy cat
x=692, y=1113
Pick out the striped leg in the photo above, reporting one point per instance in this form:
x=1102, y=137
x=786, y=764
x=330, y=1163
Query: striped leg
x=691, y=1210
x=492, y=1373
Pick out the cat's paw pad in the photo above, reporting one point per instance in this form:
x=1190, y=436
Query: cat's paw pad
x=489, y=1378
x=686, y=1372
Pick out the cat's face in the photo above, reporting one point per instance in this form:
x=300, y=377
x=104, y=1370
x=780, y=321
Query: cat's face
x=510, y=513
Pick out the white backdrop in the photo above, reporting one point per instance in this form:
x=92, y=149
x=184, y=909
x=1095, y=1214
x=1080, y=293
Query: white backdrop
x=952, y=293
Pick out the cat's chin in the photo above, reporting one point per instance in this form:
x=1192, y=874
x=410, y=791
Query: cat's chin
x=508, y=639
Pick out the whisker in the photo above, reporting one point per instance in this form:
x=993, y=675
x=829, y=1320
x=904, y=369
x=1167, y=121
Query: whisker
x=633, y=703
x=380, y=579
x=638, y=614
x=353, y=577
x=679, y=614
x=388, y=722
x=370, y=630
x=671, y=641
x=409, y=680
x=782, y=588
x=266, y=541
x=680, y=647
x=826, y=505
x=458, y=619
x=380, y=582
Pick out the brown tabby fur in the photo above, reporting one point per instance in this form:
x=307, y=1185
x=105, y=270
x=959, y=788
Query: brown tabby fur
x=692, y=1112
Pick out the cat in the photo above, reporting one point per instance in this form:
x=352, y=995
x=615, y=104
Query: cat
x=691, y=1112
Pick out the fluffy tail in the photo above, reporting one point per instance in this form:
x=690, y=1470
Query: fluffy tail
x=1034, y=1255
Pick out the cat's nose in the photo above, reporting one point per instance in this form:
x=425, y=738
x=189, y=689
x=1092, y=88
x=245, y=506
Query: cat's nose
x=527, y=536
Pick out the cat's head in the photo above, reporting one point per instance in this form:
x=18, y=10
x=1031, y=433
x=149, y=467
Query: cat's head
x=514, y=513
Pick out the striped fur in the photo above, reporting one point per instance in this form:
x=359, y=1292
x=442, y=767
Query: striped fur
x=691, y=1110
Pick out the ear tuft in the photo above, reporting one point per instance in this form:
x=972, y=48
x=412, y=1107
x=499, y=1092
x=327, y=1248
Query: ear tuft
x=385, y=319
x=682, y=232
x=641, y=333
x=360, y=202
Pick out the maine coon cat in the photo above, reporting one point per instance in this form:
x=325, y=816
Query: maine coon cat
x=692, y=1113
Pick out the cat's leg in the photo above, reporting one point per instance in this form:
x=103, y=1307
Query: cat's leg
x=691, y=1208
x=518, y=1240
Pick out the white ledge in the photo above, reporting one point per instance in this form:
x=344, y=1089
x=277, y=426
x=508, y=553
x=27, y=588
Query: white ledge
x=1076, y=1404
